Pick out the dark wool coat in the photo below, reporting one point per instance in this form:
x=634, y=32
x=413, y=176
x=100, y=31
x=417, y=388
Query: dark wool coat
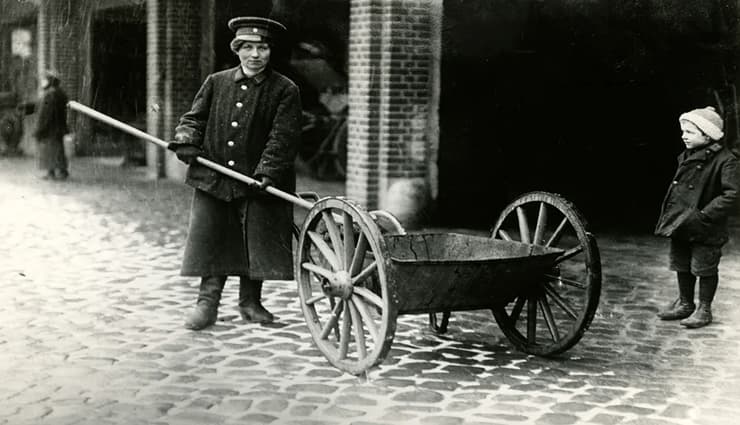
x=51, y=128
x=251, y=125
x=703, y=193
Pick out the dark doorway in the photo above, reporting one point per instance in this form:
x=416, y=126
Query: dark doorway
x=578, y=98
x=119, y=79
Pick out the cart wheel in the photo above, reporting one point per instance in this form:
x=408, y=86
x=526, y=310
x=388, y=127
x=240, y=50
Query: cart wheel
x=439, y=326
x=560, y=305
x=348, y=301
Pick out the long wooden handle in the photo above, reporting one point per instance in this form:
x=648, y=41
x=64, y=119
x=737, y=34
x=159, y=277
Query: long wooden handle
x=210, y=164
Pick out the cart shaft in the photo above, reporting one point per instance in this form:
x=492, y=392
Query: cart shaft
x=210, y=164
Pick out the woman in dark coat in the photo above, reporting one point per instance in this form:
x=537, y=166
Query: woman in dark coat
x=248, y=119
x=51, y=128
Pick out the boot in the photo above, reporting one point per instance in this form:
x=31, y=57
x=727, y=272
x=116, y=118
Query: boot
x=703, y=314
x=250, y=307
x=206, y=308
x=680, y=308
x=684, y=305
x=701, y=317
x=61, y=174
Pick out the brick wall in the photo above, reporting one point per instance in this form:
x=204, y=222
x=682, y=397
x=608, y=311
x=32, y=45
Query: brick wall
x=64, y=45
x=42, y=39
x=173, y=73
x=392, y=82
x=155, y=47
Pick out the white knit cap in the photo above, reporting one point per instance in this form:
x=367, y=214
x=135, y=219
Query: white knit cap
x=708, y=121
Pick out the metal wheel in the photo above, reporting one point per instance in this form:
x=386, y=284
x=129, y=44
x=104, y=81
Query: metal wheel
x=346, y=296
x=552, y=314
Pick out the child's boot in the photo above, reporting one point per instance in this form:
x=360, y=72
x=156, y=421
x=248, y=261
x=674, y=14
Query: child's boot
x=683, y=306
x=703, y=314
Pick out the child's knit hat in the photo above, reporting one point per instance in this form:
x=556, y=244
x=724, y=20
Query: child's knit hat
x=707, y=119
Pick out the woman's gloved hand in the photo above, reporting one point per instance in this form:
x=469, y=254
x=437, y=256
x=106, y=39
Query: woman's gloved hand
x=186, y=153
x=264, y=182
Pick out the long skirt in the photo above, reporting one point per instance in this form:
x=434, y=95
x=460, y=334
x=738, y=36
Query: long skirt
x=244, y=237
x=51, y=154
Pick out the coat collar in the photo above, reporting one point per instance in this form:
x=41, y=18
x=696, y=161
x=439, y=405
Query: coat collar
x=239, y=76
x=700, y=154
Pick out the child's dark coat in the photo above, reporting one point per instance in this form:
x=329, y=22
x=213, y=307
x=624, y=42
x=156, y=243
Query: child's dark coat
x=702, y=195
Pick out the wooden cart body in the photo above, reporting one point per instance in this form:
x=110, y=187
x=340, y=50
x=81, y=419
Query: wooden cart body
x=436, y=272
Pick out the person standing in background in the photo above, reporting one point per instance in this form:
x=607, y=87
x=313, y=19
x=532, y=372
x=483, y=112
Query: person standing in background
x=51, y=128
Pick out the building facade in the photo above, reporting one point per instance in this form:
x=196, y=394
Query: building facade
x=454, y=107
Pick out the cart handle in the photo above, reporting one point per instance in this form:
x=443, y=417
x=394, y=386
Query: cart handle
x=208, y=163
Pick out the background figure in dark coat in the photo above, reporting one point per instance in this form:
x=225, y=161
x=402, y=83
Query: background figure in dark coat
x=248, y=119
x=51, y=128
x=701, y=197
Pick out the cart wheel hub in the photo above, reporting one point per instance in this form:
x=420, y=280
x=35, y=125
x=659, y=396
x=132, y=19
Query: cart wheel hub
x=339, y=285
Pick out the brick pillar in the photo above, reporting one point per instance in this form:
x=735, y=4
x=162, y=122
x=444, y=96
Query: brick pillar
x=154, y=83
x=68, y=26
x=173, y=72
x=42, y=39
x=392, y=96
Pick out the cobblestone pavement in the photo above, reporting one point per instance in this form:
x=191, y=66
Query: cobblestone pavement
x=91, y=333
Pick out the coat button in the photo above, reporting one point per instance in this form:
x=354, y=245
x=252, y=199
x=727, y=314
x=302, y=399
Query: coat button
x=239, y=104
x=231, y=163
x=234, y=124
x=244, y=86
x=230, y=143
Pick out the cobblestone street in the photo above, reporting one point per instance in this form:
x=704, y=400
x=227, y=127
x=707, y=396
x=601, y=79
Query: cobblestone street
x=92, y=332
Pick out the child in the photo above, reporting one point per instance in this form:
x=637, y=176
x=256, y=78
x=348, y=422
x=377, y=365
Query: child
x=694, y=215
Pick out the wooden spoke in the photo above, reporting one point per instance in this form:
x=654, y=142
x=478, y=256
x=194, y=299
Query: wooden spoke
x=523, y=225
x=549, y=319
x=558, y=233
x=334, y=236
x=539, y=229
x=369, y=296
x=349, y=241
x=365, y=273
x=531, y=320
x=333, y=304
x=325, y=250
x=318, y=270
x=344, y=338
x=314, y=300
x=358, y=258
x=332, y=322
x=517, y=310
x=505, y=236
x=359, y=331
x=560, y=301
x=366, y=317
x=566, y=281
x=569, y=254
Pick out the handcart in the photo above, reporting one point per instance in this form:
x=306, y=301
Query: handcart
x=538, y=272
